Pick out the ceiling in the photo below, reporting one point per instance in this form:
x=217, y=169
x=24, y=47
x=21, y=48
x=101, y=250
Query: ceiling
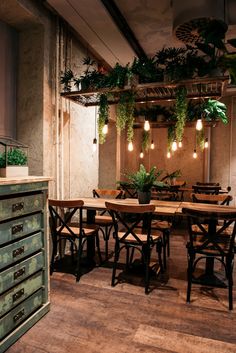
x=119, y=30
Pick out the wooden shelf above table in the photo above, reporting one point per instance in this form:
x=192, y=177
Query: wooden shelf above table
x=211, y=87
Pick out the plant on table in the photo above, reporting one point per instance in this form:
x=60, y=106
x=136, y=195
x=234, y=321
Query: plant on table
x=14, y=156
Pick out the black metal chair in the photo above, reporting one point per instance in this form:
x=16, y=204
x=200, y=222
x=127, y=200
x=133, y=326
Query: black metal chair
x=103, y=219
x=128, y=236
x=206, y=188
x=220, y=199
x=63, y=227
x=211, y=242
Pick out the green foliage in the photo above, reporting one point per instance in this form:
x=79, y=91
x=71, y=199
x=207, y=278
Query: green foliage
x=181, y=110
x=214, y=109
x=200, y=139
x=125, y=114
x=103, y=115
x=147, y=70
x=170, y=137
x=143, y=180
x=66, y=79
x=175, y=174
x=15, y=156
x=145, y=140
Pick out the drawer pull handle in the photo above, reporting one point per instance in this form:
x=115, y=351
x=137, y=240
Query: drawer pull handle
x=18, y=251
x=17, y=229
x=18, y=206
x=19, y=273
x=19, y=315
x=18, y=295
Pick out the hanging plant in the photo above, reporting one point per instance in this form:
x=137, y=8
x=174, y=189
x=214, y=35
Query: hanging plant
x=103, y=115
x=66, y=80
x=170, y=137
x=200, y=139
x=145, y=140
x=181, y=112
x=125, y=114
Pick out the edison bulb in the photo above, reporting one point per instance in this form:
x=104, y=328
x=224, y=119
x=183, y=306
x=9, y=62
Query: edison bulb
x=194, y=154
x=199, y=124
x=141, y=154
x=152, y=145
x=180, y=144
x=174, y=146
x=146, y=125
x=130, y=146
x=105, y=129
x=206, y=144
x=168, y=154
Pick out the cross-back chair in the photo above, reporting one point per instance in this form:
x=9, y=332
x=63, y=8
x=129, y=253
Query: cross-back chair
x=208, y=188
x=103, y=219
x=63, y=228
x=220, y=199
x=128, y=236
x=212, y=242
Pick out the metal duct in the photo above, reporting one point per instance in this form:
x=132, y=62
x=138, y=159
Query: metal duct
x=190, y=17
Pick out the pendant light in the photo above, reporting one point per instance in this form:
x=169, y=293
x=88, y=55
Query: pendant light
x=199, y=125
x=105, y=128
x=141, y=154
x=195, y=154
x=180, y=144
x=130, y=146
x=206, y=144
x=168, y=154
x=146, y=122
x=152, y=145
x=174, y=145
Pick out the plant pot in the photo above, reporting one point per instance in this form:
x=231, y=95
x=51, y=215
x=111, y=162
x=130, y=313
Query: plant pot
x=14, y=171
x=144, y=197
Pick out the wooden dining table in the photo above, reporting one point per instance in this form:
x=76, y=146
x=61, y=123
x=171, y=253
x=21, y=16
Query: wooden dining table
x=162, y=208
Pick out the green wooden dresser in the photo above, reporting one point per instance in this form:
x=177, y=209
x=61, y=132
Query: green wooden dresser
x=24, y=279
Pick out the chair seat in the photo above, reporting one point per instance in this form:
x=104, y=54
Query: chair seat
x=211, y=249
x=162, y=225
x=103, y=220
x=86, y=231
x=143, y=237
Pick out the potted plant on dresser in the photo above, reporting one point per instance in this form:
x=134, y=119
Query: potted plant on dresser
x=143, y=181
x=13, y=158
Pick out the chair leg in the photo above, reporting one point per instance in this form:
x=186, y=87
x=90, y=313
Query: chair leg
x=116, y=258
x=164, y=244
x=98, y=249
x=54, y=253
x=229, y=272
x=79, y=255
x=189, y=274
x=147, y=275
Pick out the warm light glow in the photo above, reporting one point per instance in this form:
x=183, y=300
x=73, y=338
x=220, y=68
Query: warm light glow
x=152, y=145
x=195, y=154
x=141, y=154
x=105, y=129
x=94, y=145
x=168, y=154
x=180, y=144
x=206, y=144
x=146, y=125
x=130, y=146
x=199, y=124
x=174, y=146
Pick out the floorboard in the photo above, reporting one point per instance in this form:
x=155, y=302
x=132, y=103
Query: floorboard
x=93, y=317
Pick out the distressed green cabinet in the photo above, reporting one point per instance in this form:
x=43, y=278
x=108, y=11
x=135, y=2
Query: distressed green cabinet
x=24, y=279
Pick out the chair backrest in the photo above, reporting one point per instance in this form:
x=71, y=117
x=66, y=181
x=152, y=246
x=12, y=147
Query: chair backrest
x=220, y=199
x=207, y=184
x=129, y=225
x=61, y=212
x=108, y=193
x=206, y=189
x=128, y=189
x=214, y=237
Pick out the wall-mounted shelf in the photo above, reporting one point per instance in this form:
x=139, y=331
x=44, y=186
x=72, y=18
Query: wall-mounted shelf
x=211, y=87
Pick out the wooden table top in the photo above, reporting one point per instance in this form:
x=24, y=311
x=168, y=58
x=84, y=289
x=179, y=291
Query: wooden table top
x=170, y=208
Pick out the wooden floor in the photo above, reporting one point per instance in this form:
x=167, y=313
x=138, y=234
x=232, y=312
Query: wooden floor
x=92, y=317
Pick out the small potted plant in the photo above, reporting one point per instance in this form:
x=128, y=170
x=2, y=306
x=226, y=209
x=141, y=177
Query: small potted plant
x=143, y=181
x=13, y=162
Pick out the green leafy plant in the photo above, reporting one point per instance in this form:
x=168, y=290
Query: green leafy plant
x=181, y=110
x=15, y=156
x=143, y=180
x=145, y=140
x=214, y=109
x=125, y=114
x=103, y=115
x=147, y=70
x=175, y=174
x=66, y=79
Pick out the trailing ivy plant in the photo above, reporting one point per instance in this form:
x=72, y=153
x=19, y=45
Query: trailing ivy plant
x=181, y=111
x=200, y=139
x=145, y=140
x=170, y=137
x=125, y=114
x=103, y=115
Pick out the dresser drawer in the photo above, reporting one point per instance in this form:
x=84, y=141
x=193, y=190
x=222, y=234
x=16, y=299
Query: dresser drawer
x=16, y=229
x=20, y=313
x=19, y=293
x=15, y=274
x=16, y=251
x=14, y=207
